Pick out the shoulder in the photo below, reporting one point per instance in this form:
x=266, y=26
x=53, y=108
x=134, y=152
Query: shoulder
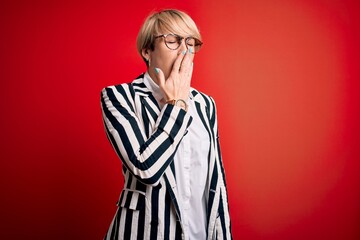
x=202, y=98
x=124, y=89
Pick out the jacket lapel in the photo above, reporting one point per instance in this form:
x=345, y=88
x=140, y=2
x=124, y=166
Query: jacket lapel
x=204, y=113
x=149, y=109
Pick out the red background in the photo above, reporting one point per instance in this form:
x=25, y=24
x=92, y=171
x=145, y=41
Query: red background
x=285, y=76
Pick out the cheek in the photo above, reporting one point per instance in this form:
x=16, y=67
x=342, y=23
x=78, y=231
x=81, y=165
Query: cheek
x=167, y=62
x=164, y=59
x=171, y=59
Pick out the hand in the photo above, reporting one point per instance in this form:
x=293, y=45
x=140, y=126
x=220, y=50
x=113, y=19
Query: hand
x=177, y=85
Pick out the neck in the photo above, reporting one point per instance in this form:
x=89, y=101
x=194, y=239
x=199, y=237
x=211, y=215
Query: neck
x=152, y=74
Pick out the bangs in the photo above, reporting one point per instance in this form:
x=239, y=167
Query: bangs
x=176, y=24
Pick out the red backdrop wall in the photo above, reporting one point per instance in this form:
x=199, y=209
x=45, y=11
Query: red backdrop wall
x=285, y=76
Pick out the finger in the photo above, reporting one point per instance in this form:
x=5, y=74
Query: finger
x=189, y=74
x=159, y=74
x=191, y=70
x=186, y=62
x=177, y=63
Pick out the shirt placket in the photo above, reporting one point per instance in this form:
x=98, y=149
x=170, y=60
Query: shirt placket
x=186, y=168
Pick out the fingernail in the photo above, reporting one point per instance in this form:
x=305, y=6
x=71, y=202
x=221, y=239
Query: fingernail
x=184, y=52
x=192, y=64
x=157, y=70
x=191, y=50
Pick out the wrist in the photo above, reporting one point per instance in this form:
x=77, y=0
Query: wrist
x=179, y=103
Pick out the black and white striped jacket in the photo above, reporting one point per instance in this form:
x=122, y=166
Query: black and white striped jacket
x=146, y=138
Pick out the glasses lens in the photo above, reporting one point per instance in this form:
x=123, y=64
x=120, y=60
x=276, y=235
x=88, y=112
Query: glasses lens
x=194, y=43
x=172, y=41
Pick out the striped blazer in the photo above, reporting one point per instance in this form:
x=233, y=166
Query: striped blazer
x=146, y=138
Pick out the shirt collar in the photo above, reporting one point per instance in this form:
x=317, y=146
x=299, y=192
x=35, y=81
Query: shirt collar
x=153, y=87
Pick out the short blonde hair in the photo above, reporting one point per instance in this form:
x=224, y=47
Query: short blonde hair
x=163, y=22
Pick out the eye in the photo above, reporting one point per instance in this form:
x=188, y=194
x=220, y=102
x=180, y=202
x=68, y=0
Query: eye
x=190, y=41
x=171, y=39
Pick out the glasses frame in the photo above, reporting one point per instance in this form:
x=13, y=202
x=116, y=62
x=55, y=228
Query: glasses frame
x=197, y=45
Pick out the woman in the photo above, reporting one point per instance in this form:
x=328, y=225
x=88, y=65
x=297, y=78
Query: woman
x=165, y=133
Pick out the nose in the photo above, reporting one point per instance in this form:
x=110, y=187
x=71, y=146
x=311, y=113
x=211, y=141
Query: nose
x=183, y=46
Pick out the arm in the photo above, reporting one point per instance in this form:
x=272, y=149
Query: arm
x=147, y=159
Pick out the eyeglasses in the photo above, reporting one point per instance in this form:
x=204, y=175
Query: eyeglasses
x=173, y=41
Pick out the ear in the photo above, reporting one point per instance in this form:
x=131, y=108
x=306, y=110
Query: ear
x=145, y=53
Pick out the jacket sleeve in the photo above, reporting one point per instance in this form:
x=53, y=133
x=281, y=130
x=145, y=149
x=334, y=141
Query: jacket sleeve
x=146, y=158
x=223, y=224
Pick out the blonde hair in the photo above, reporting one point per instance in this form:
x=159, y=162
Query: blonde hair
x=163, y=22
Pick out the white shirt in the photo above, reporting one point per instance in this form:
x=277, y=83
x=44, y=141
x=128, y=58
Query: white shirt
x=191, y=168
